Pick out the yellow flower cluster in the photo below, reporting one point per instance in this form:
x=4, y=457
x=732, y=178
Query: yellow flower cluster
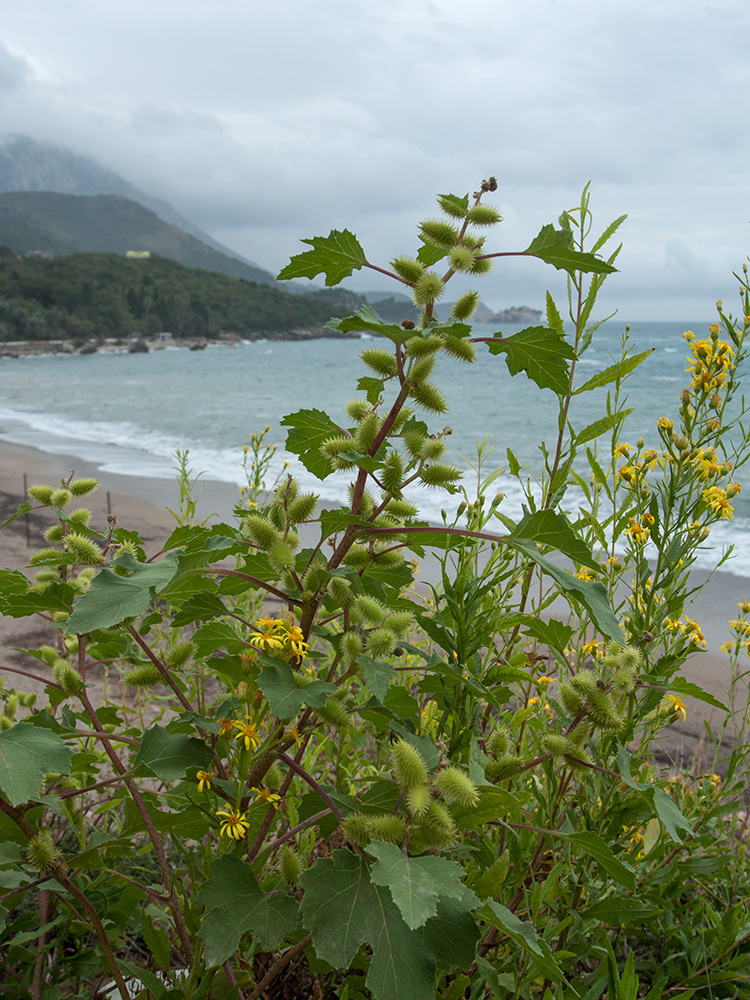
x=710, y=363
x=741, y=629
x=638, y=530
x=689, y=628
x=675, y=705
x=280, y=637
x=718, y=500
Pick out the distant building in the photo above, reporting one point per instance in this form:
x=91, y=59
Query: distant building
x=138, y=254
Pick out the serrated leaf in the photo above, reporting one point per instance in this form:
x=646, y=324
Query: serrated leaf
x=23, y=508
x=308, y=430
x=377, y=674
x=690, y=690
x=169, y=755
x=17, y=601
x=365, y=318
x=215, y=635
x=524, y=935
x=372, y=386
x=232, y=891
x=276, y=681
x=430, y=253
x=553, y=633
x=27, y=753
x=547, y=527
x=343, y=909
x=541, y=353
x=111, y=598
x=157, y=942
x=199, y=607
x=619, y=370
x=335, y=255
x=416, y=884
x=555, y=246
x=461, y=204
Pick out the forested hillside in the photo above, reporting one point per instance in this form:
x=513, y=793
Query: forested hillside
x=104, y=295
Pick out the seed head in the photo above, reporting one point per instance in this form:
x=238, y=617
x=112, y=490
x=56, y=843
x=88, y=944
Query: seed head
x=409, y=768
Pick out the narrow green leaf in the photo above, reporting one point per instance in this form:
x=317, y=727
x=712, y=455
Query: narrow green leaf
x=595, y=846
x=308, y=430
x=157, y=942
x=365, y=318
x=617, y=910
x=595, y=429
x=540, y=352
x=524, y=935
x=27, y=753
x=23, y=508
x=619, y=370
x=335, y=255
x=547, y=527
x=591, y=594
x=514, y=466
x=555, y=246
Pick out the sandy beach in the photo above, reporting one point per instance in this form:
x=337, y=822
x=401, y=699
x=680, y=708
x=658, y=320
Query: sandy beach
x=140, y=503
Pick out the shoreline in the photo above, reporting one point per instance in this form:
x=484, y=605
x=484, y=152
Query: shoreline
x=139, y=503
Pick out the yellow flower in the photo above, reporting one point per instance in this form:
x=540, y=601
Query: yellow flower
x=592, y=648
x=718, y=501
x=545, y=680
x=623, y=450
x=247, y=731
x=665, y=424
x=295, y=641
x=267, y=796
x=295, y=734
x=234, y=824
x=226, y=726
x=585, y=573
x=673, y=704
x=204, y=780
x=637, y=532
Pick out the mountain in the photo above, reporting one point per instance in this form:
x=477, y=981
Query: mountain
x=50, y=223
x=27, y=165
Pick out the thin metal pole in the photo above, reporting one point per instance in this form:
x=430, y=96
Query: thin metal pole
x=26, y=519
x=109, y=504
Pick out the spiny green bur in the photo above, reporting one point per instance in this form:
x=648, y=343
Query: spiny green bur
x=409, y=768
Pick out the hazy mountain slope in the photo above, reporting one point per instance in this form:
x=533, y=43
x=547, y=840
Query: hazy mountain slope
x=66, y=223
x=27, y=165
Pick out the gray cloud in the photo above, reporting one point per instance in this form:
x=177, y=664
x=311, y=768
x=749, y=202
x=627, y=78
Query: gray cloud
x=266, y=123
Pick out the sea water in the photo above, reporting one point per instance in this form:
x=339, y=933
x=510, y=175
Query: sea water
x=129, y=413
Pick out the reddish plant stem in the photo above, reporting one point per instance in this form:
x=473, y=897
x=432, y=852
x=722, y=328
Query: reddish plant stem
x=279, y=965
x=142, y=811
x=254, y=579
x=33, y=677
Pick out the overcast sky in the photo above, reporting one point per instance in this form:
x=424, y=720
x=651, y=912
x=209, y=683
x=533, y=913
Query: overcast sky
x=267, y=122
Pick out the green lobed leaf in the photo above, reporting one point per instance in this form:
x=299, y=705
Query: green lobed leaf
x=430, y=253
x=547, y=527
x=343, y=909
x=169, y=755
x=555, y=246
x=691, y=690
x=553, y=633
x=335, y=255
x=111, y=598
x=378, y=675
x=540, y=352
x=416, y=884
x=17, y=601
x=237, y=905
x=616, y=371
x=27, y=753
x=372, y=386
x=199, y=607
x=276, y=681
x=308, y=430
